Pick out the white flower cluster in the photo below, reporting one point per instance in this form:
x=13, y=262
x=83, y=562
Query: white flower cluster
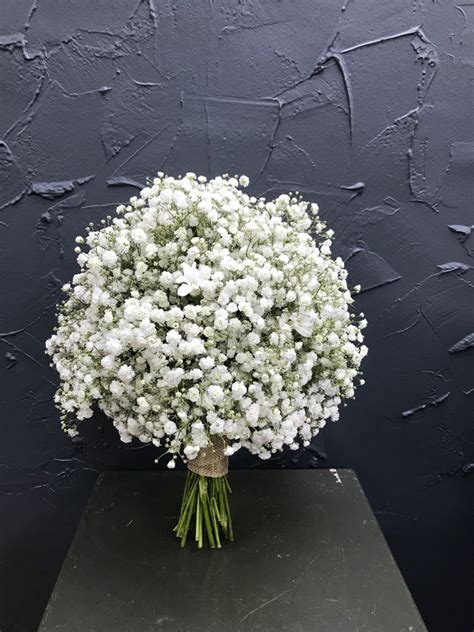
x=200, y=310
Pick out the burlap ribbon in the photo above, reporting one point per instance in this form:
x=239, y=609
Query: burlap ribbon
x=211, y=461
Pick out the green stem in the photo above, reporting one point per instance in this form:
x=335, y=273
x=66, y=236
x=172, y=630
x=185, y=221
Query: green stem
x=205, y=506
x=198, y=523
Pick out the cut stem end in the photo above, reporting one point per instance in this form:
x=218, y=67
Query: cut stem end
x=206, y=509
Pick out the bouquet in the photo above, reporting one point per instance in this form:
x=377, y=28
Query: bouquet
x=204, y=320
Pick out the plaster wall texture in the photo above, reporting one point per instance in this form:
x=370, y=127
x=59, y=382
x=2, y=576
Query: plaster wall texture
x=364, y=107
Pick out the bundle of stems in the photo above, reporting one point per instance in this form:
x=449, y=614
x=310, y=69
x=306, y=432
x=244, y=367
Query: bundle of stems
x=205, y=507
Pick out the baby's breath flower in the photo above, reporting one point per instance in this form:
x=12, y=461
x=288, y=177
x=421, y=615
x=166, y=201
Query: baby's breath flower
x=199, y=310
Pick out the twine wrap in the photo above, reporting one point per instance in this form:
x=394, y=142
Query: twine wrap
x=211, y=461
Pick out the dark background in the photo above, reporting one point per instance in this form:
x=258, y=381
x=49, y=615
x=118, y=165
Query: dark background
x=364, y=106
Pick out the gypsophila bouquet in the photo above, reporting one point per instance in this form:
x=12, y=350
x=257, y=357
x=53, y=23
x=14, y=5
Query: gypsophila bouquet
x=204, y=321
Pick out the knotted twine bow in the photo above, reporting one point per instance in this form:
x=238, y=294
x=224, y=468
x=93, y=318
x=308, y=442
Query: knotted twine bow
x=211, y=461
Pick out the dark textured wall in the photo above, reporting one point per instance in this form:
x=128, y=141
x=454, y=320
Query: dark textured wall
x=364, y=106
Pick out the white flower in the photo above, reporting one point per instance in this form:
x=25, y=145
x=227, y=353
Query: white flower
x=217, y=426
x=116, y=388
x=109, y=258
x=195, y=374
x=206, y=363
x=151, y=250
x=252, y=414
x=193, y=394
x=238, y=390
x=174, y=377
x=141, y=268
x=303, y=323
x=215, y=393
x=199, y=310
x=139, y=235
x=114, y=347
x=126, y=373
x=192, y=278
x=108, y=362
x=170, y=427
x=143, y=405
x=180, y=199
x=166, y=195
x=191, y=452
